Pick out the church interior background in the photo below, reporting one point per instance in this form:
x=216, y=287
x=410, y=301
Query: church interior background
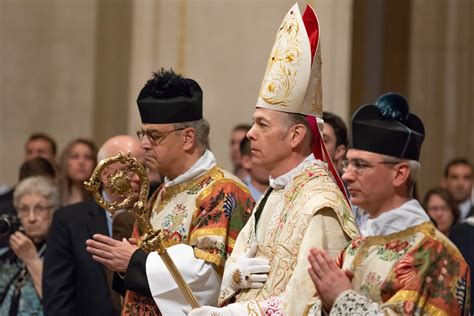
x=73, y=68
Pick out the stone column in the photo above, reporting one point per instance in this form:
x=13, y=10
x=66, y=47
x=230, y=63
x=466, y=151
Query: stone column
x=112, y=69
x=441, y=85
x=74, y=68
x=224, y=45
x=47, y=77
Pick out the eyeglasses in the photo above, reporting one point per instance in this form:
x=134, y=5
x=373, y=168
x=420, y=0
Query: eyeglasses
x=360, y=166
x=37, y=210
x=155, y=137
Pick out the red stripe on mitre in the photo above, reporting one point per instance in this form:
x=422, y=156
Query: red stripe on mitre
x=311, y=24
x=320, y=152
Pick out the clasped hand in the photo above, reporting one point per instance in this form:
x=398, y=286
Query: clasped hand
x=114, y=254
x=330, y=280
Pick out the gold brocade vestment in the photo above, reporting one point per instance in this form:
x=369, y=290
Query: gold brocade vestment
x=416, y=271
x=310, y=211
x=206, y=213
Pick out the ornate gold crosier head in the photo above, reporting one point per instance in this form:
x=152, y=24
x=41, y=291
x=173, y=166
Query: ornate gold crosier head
x=119, y=183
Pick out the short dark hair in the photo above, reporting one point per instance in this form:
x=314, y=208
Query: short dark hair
x=242, y=127
x=339, y=127
x=245, y=147
x=456, y=161
x=45, y=137
x=38, y=166
x=447, y=197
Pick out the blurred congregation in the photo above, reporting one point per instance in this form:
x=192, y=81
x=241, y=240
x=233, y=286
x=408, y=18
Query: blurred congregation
x=56, y=241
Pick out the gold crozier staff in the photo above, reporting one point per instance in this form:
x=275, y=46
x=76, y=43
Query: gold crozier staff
x=120, y=183
x=199, y=210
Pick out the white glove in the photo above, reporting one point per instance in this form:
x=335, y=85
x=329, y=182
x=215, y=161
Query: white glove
x=230, y=310
x=247, y=271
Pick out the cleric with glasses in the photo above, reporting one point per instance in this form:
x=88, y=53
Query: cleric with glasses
x=154, y=136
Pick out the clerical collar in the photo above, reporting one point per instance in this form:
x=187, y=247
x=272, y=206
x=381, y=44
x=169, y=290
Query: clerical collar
x=282, y=181
x=203, y=164
x=407, y=215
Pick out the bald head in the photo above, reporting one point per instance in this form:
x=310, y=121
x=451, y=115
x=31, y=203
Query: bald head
x=122, y=143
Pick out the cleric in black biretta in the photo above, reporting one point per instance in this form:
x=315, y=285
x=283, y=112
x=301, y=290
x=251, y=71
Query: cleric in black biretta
x=388, y=128
x=170, y=98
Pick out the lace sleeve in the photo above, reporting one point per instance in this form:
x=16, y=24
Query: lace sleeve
x=353, y=303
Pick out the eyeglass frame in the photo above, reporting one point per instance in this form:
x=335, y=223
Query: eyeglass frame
x=156, y=140
x=37, y=210
x=359, y=169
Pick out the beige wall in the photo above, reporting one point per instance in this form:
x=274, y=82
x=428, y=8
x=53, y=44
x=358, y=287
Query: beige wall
x=224, y=45
x=73, y=68
x=47, y=77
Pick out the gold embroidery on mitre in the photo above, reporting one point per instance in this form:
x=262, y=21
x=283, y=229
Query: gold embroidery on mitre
x=292, y=81
x=280, y=74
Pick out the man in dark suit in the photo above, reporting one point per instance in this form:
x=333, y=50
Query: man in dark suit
x=462, y=236
x=73, y=283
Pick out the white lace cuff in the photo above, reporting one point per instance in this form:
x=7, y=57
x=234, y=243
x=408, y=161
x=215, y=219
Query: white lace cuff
x=352, y=303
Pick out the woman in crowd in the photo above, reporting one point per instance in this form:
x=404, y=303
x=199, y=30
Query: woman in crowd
x=35, y=199
x=78, y=160
x=442, y=209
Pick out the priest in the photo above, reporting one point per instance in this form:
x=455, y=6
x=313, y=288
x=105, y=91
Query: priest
x=305, y=206
x=404, y=265
x=200, y=208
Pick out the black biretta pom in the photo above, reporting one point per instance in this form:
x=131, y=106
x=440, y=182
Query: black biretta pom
x=393, y=106
x=166, y=84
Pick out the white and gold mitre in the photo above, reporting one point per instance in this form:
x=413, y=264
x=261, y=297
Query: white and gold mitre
x=292, y=81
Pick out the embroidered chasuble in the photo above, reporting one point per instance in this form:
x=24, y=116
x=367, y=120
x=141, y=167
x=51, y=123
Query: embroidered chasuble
x=307, y=211
x=416, y=271
x=206, y=213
